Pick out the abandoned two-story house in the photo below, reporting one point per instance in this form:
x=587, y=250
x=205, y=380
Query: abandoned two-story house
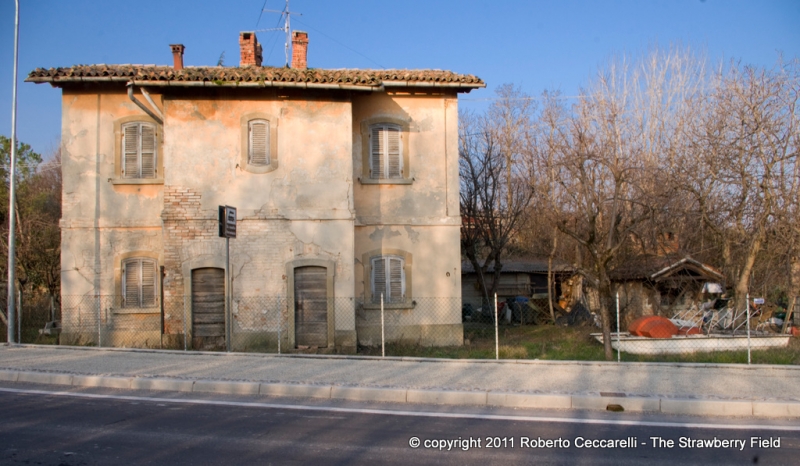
x=345, y=184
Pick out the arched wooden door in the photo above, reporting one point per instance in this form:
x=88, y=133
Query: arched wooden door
x=311, y=306
x=208, y=309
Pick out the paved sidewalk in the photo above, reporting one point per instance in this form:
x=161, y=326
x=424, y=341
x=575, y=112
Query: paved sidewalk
x=757, y=390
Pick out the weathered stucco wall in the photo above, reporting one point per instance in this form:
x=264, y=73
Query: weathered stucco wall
x=417, y=216
x=432, y=130
x=100, y=219
x=310, y=206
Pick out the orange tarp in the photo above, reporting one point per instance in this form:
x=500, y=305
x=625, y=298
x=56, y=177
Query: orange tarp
x=653, y=327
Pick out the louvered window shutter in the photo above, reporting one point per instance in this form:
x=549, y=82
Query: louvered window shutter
x=131, y=283
x=139, y=283
x=148, y=152
x=259, y=143
x=386, y=153
x=378, y=279
x=139, y=151
x=397, y=286
x=376, y=164
x=130, y=151
x=395, y=159
x=148, y=268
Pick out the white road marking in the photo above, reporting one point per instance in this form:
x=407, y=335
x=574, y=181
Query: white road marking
x=387, y=412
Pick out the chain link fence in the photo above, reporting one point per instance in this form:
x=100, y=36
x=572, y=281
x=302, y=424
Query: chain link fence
x=514, y=328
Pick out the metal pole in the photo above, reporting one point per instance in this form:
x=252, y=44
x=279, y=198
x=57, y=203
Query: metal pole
x=496, y=334
x=383, y=329
x=748, y=327
x=228, y=294
x=618, y=346
x=12, y=170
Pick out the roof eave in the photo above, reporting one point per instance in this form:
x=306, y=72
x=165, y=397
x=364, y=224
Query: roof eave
x=230, y=84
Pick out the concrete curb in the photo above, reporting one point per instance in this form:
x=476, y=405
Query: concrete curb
x=757, y=408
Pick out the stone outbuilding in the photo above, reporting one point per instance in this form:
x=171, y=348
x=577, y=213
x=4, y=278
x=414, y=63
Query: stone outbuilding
x=663, y=285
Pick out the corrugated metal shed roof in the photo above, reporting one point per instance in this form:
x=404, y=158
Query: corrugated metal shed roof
x=523, y=266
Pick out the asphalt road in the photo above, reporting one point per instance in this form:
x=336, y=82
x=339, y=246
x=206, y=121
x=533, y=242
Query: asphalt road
x=40, y=426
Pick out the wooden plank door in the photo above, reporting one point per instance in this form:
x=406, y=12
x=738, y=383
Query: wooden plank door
x=311, y=306
x=208, y=309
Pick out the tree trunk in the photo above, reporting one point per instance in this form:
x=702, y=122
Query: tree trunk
x=794, y=277
x=550, y=276
x=743, y=281
x=604, y=289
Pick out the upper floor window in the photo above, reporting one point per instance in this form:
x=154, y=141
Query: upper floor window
x=259, y=142
x=386, y=152
x=258, y=149
x=388, y=279
x=139, y=150
x=139, y=282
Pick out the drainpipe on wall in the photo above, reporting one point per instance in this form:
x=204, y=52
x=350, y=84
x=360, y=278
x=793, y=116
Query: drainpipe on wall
x=158, y=117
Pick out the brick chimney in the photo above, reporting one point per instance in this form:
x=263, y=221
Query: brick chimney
x=299, y=50
x=250, y=49
x=177, y=56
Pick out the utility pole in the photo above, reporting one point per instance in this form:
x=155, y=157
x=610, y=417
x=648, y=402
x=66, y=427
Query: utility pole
x=12, y=183
x=286, y=14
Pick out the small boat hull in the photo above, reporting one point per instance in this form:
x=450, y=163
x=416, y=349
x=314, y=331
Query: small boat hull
x=683, y=344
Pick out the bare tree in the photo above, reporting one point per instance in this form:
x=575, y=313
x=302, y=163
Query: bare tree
x=494, y=190
x=742, y=168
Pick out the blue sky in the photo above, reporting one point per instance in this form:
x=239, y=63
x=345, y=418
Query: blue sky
x=537, y=45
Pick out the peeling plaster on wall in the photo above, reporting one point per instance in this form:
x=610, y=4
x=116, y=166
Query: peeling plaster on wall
x=122, y=241
x=197, y=249
x=383, y=233
x=425, y=124
x=412, y=234
x=239, y=261
x=71, y=138
x=85, y=266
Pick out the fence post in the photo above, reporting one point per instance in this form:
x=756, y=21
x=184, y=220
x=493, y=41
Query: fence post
x=185, y=336
x=280, y=324
x=383, y=329
x=97, y=305
x=496, y=333
x=19, y=315
x=618, y=329
x=747, y=316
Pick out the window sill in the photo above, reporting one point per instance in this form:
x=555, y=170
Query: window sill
x=259, y=169
x=385, y=181
x=124, y=181
x=136, y=310
x=390, y=306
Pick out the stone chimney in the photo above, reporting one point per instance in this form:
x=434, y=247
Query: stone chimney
x=299, y=50
x=250, y=49
x=177, y=56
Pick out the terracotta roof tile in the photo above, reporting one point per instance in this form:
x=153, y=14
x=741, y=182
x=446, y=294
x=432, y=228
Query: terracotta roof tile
x=255, y=76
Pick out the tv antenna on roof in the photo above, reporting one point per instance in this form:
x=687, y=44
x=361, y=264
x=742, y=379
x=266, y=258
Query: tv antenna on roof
x=285, y=14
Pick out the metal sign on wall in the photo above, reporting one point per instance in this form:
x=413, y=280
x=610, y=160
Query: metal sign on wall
x=227, y=221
